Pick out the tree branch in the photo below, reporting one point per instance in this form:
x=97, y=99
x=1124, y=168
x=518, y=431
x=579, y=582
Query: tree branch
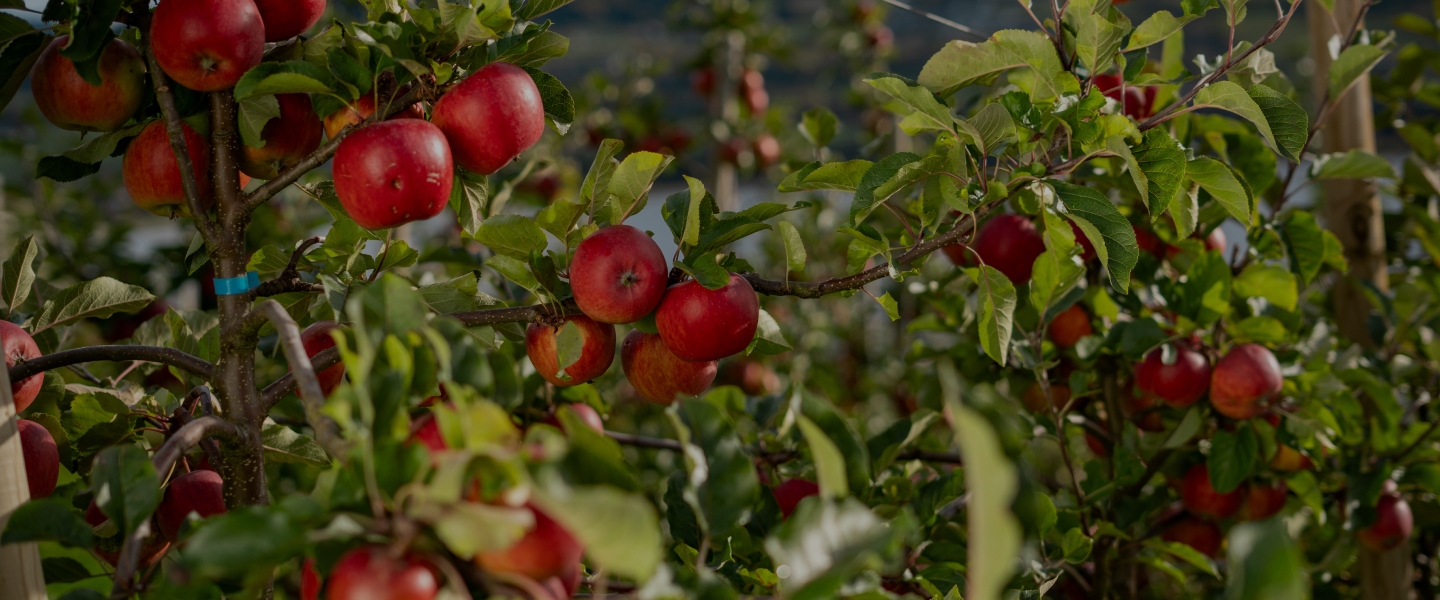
x=188, y=436
x=176, y=130
x=641, y=441
x=154, y=354
x=327, y=432
x=289, y=279
x=129, y=561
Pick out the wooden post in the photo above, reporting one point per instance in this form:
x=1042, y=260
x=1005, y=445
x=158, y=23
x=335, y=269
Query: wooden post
x=20, y=574
x=1352, y=213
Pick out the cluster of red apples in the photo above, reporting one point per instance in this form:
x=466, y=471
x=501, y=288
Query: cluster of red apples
x=386, y=174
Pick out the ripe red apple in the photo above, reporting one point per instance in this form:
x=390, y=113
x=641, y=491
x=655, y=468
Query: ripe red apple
x=152, y=175
x=70, y=102
x=1196, y=533
x=597, y=350
x=1069, y=326
x=881, y=38
x=789, y=494
x=703, y=81
x=1244, y=380
x=1096, y=446
x=200, y=492
x=1393, y=522
x=1087, y=249
x=370, y=573
x=1134, y=405
x=108, y=549
x=309, y=581
x=767, y=150
x=700, y=324
x=1010, y=244
x=316, y=338
x=752, y=377
x=394, y=172
x=1216, y=241
x=42, y=458
x=1138, y=101
x=491, y=117
x=426, y=430
x=1202, y=499
x=657, y=374
x=1179, y=384
x=586, y=413
x=546, y=551
x=20, y=347
x=752, y=91
x=355, y=114
x=618, y=275
x=207, y=45
x=1034, y=398
x=285, y=19
x=1262, y=501
x=289, y=138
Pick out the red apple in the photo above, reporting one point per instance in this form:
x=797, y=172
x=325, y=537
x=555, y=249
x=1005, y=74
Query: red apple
x=1138, y=101
x=1289, y=459
x=1134, y=405
x=767, y=150
x=1196, y=533
x=309, y=581
x=70, y=102
x=618, y=275
x=1087, y=249
x=1096, y=446
x=371, y=573
x=703, y=81
x=1148, y=242
x=1216, y=241
x=1034, y=398
x=491, y=117
x=1393, y=522
x=657, y=374
x=752, y=377
x=546, y=551
x=316, y=338
x=426, y=430
x=789, y=494
x=1069, y=326
x=752, y=91
x=1244, y=381
x=1202, y=499
x=355, y=114
x=586, y=413
x=1179, y=384
x=285, y=19
x=207, y=45
x=1262, y=501
x=597, y=350
x=152, y=175
x=108, y=549
x=394, y=172
x=880, y=38
x=20, y=347
x=700, y=324
x=1010, y=244
x=289, y=138
x=42, y=458
x=200, y=492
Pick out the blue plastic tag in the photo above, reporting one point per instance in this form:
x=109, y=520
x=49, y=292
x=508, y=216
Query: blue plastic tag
x=231, y=286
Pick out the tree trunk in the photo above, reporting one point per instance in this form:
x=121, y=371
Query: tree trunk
x=20, y=574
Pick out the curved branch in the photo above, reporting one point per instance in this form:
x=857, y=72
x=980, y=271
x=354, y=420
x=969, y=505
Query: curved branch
x=188, y=436
x=154, y=354
x=640, y=441
x=176, y=130
x=327, y=432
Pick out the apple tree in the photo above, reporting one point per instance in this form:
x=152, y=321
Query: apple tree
x=1018, y=356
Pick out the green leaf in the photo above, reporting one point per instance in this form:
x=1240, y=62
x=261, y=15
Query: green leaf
x=769, y=340
x=1075, y=547
x=255, y=112
x=1353, y=164
x=1220, y=182
x=294, y=77
x=515, y=270
x=251, y=537
x=601, y=170
x=819, y=126
x=1355, y=61
x=866, y=196
x=994, y=125
x=63, y=569
x=997, y=311
x=560, y=217
x=1186, y=553
x=829, y=464
x=1097, y=38
x=284, y=445
x=97, y=298
x=1112, y=236
x=467, y=528
x=935, y=114
x=511, y=235
x=960, y=63
x=538, y=50
x=1306, y=243
x=1054, y=274
x=1156, y=29
x=839, y=428
x=843, y=176
x=825, y=544
x=1228, y=95
x=64, y=170
x=534, y=8
x=994, y=534
x=594, y=458
x=125, y=485
x=46, y=520
x=468, y=197
x=18, y=56
x=1288, y=121
x=1162, y=159
x=103, y=146
x=559, y=105
x=1263, y=561
x=630, y=184
x=705, y=268
x=726, y=483
x=18, y=274
x=691, y=235
x=795, y=256
x=1270, y=282
x=892, y=308
x=1205, y=295
x=1232, y=457
x=569, y=343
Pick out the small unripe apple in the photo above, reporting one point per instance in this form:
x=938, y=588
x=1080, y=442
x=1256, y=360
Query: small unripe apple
x=1262, y=501
x=618, y=275
x=370, y=573
x=1199, y=534
x=546, y=551
x=1179, y=384
x=285, y=19
x=1069, y=326
x=316, y=338
x=1034, y=398
x=1202, y=499
x=700, y=324
x=152, y=175
x=657, y=374
x=394, y=172
x=201, y=492
x=1393, y=522
x=288, y=139
x=1244, y=381
x=1010, y=244
x=752, y=377
x=151, y=550
x=70, y=102
x=491, y=117
x=597, y=350
x=1289, y=459
x=20, y=347
x=767, y=150
x=207, y=45
x=789, y=494
x=355, y=114
x=42, y=458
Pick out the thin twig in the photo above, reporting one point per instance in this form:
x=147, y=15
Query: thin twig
x=155, y=354
x=327, y=432
x=937, y=18
x=189, y=435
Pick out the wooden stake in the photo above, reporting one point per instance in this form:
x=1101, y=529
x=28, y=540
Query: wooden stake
x=20, y=575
